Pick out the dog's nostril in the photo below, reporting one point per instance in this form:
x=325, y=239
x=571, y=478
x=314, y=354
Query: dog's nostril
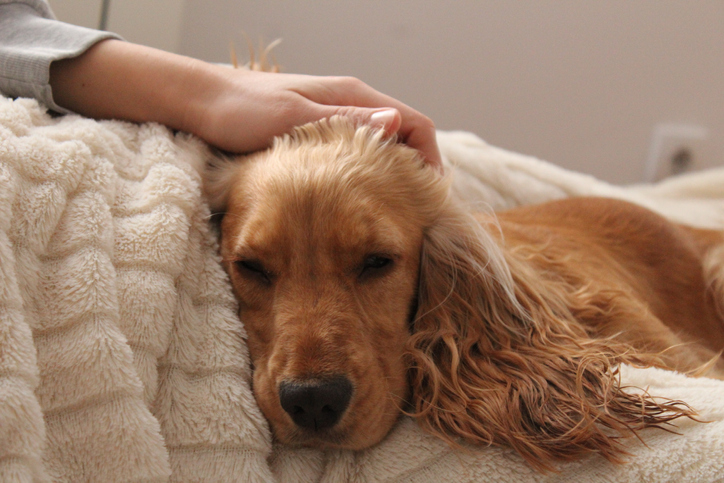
x=317, y=404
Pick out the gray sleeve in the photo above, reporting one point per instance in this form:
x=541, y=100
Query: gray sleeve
x=30, y=40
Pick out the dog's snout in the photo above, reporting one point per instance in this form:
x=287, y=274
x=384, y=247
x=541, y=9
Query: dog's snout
x=316, y=404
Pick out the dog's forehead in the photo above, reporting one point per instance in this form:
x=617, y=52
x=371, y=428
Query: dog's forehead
x=333, y=196
x=299, y=218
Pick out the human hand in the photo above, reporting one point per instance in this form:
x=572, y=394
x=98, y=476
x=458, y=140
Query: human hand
x=243, y=110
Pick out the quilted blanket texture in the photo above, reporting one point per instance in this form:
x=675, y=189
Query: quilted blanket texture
x=122, y=357
x=121, y=354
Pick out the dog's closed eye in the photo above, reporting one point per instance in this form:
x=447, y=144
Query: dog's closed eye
x=254, y=269
x=376, y=265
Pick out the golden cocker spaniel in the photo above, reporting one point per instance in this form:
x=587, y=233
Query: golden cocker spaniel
x=368, y=291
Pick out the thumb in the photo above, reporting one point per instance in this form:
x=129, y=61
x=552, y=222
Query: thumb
x=388, y=119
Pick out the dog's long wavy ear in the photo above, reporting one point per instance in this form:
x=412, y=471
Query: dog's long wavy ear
x=497, y=356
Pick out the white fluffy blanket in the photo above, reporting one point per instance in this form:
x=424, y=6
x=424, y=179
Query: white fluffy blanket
x=121, y=357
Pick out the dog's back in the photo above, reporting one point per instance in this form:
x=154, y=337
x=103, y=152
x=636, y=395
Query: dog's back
x=669, y=272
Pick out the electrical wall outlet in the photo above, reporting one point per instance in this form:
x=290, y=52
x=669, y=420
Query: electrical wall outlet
x=675, y=149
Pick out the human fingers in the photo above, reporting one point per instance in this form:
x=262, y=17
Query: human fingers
x=390, y=120
x=352, y=97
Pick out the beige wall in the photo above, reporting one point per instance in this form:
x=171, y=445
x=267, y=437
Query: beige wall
x=86, y=13
x=156, y=23
x=583, y=84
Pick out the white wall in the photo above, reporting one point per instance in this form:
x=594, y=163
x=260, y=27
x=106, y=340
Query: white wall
x=579, y=83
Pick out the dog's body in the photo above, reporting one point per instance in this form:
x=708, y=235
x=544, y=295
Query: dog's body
x=629, y=250
x=366, y=290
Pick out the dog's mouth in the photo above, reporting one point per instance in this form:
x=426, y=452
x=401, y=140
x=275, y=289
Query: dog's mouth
x=324, y=439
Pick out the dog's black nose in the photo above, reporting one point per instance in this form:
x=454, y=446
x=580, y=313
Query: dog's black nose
x=316, y=404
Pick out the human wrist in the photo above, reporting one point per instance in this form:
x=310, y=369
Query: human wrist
x=194, y=97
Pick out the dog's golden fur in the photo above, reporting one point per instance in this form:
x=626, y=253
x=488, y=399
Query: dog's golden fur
x=350, y=258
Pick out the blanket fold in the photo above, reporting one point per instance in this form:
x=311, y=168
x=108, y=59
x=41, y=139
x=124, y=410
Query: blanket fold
x=122, y=357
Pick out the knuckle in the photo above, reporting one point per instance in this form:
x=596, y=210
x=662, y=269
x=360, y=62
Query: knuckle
x=350, y=82
x=426, y=123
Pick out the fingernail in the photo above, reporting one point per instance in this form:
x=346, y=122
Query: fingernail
x=384, y=118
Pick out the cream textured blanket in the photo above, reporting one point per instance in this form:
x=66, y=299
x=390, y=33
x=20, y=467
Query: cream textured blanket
x=121, y=357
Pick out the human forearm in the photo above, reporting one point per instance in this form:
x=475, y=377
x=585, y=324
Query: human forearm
x=121, y=80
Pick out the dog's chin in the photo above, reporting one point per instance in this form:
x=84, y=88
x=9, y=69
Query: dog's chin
x=324, y=440
x=317, y=439
x=353, y=436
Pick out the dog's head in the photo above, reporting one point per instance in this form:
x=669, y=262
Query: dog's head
x=321, y=238
x=365, y=289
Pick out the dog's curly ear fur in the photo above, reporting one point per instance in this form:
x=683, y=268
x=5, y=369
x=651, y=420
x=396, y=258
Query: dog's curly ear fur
x=497, y=355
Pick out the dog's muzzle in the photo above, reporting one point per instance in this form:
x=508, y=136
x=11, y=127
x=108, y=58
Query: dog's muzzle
x=316, y=404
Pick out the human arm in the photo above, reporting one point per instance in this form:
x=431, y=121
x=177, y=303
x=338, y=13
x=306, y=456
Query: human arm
x=235, y=109
x=72, y=69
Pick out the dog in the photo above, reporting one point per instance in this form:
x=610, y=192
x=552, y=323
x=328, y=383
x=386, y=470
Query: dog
x=367, y=291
